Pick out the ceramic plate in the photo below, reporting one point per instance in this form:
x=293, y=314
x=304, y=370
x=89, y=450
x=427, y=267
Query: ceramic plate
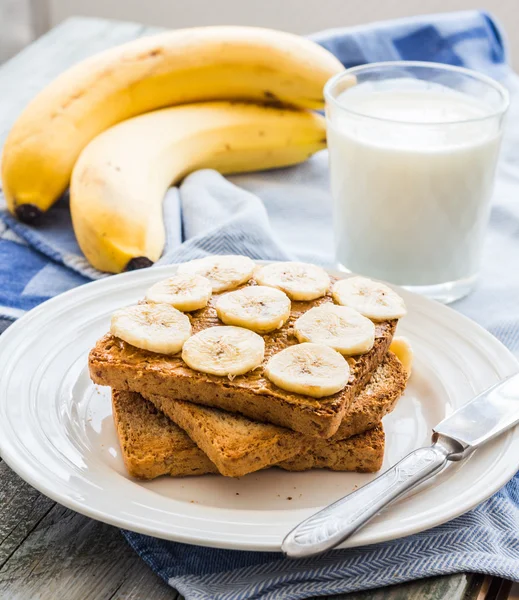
x=56, y=431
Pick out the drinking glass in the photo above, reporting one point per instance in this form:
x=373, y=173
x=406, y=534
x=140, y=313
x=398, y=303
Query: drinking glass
x=413, y=149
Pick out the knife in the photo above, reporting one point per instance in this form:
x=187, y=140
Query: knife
x=456, y=437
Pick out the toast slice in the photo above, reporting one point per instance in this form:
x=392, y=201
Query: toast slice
x=377, y=399
x=363, y=453
x=238, y=445
x=121, y=366
x=234, y=443
x=152, y=445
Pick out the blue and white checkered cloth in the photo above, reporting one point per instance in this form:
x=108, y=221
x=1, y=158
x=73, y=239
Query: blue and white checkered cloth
x=286, y=214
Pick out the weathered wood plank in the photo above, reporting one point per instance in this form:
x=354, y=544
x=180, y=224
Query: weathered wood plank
x=21, y=509
x=73, y=557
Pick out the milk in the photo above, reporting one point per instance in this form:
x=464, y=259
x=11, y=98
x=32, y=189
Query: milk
x=412, y=181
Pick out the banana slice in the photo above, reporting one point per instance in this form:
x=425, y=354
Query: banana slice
x=224, y=351
x=155, y=327
x=372, y=299
x=342, y=328
x=258, y=307
x=225, y=272
x=183, y=291
x=401, y=347
x=299, y=281
x=310, y=369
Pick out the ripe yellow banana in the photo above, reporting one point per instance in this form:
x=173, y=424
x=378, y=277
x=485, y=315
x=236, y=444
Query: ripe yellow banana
x=177, y=67
x=120, y=178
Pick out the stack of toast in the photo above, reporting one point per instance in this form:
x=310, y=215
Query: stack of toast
x=172, y=419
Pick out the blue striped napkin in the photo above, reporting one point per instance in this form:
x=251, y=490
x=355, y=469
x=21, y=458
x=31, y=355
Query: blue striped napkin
x=271, y=216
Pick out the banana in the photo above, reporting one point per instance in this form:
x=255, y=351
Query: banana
x=223, y=271
x=224, y=351
x=342, y=328
x=120, y=179
x=172, y=68
x=183, y=291
x=299, y=281
x=259, y=308
x=401, y=347
x=154, y=327
x=374, y=300
x=310, y=369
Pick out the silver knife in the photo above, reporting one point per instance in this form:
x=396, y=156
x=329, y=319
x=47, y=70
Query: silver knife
x=456, y=437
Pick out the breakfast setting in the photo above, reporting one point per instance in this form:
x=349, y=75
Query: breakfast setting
x=259, y=334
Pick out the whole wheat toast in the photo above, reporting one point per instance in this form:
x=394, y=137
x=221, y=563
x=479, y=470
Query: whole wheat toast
x=375, y=400
x=152, y=445
x=363, y=453
x=115, y=363
x=238, y=445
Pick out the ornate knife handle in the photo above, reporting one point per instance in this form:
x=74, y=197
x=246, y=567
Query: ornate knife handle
x=335, y=523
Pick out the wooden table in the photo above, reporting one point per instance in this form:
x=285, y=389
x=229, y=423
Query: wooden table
x=48, y=552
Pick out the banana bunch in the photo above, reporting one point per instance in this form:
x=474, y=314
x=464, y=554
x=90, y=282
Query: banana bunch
x=207, y=74
x=327, y=333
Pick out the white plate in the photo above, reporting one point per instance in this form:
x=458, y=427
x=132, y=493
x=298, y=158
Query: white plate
x=56, y=431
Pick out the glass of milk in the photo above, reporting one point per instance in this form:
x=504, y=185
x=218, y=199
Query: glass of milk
x=413, y=150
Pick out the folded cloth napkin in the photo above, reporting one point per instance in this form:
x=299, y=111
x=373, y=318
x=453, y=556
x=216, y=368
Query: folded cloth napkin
x=286, y=214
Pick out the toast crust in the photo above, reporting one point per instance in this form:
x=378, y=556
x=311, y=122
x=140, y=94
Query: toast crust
x=115, y=363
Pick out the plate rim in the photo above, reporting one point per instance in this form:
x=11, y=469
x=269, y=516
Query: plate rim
x=23, y=467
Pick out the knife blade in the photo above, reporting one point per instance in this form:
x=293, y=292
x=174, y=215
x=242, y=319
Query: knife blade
x=478, y=421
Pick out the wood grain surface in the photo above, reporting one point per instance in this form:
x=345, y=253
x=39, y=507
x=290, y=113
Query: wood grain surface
x=48, y=552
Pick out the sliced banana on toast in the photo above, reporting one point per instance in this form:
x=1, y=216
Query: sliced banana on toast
x=311, y=369
x=224, y=351
x=259, y=308
x=340, y=327
x=156, y=327
x=225, y=272
x=299, y=281
x=372, y=299
x=184, y=291
x=401, y=347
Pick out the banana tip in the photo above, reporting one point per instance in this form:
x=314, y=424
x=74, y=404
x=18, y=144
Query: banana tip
x=139, y=262
x=28, y=213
